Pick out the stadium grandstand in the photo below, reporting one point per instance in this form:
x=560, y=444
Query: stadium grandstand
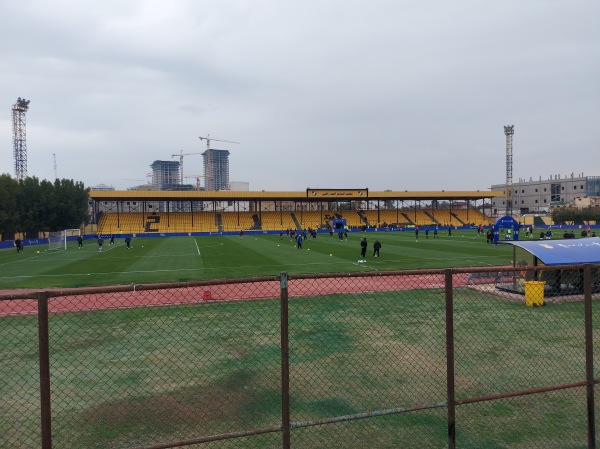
x=147, y=211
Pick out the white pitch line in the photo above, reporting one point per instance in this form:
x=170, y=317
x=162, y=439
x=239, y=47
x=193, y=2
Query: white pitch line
x=170, y=271
x=111, y=247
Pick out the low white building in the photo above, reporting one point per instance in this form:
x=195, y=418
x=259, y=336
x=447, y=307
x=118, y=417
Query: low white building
x=538, y=196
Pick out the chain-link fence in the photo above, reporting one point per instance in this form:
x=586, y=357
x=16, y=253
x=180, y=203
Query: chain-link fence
x=423, y=359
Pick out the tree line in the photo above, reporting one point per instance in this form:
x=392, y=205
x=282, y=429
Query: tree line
x=30, y=206
x=575, y=215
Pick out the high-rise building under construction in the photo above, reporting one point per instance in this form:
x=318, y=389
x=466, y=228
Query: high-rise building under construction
x=216, y=169
x=165, y=174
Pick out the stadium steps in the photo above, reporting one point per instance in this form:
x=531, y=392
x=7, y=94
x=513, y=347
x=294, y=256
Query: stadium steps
x=363, y=217
x=408, y=219
x=257, y=224
x=458, y=218
x=296, y=222
x=433, y=219
x=219, y=222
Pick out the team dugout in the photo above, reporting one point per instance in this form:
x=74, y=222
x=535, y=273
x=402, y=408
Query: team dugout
x=150, y=211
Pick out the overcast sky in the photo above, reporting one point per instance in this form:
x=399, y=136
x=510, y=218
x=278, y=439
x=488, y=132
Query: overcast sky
x=395, y=94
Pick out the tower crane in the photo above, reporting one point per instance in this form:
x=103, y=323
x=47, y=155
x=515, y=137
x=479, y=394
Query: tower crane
x=209, y=139
x=181, y=154
x=148, y=179
x=197, y=178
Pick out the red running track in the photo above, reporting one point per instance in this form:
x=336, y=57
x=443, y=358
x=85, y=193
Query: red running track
x=73, y=302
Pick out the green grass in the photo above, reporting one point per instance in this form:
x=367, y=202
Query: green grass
x=149, y=375
x=181, y=259
x=122, y=378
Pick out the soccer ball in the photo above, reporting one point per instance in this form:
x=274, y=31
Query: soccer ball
x=37, y=252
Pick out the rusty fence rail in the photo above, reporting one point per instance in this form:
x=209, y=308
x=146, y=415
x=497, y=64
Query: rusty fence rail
x=479, y=357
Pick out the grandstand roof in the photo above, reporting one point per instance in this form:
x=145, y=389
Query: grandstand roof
x=308, y=194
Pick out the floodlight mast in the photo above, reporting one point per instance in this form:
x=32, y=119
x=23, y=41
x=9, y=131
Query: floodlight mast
x=19, y=110
x=508, y=132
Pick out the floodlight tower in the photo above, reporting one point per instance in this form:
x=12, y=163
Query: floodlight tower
x=19, y=137
x=508, y=132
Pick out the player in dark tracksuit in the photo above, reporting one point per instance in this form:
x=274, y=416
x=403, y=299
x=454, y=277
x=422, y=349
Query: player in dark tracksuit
x=376, y=248
x=363, y=247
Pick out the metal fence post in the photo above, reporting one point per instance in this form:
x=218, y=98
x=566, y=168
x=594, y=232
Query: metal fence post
x=44, y=350
x=285, y=363
x=589, y=355
x=451, y=399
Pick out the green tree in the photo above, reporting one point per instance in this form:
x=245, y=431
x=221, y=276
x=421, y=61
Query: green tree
x=9, y=211
x=31, y=206
x=575, y=215
x=31, y=210
x=71, y=204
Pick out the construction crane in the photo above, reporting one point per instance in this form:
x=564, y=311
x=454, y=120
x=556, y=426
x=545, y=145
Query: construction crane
x=142, y=182
x=148, y=179
x=181, y=154
x=209, y=139
x=197, y=178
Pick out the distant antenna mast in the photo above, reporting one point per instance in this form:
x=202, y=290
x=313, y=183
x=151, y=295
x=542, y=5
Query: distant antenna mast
x=55, y=172
x=508, y=132
x=20, y=137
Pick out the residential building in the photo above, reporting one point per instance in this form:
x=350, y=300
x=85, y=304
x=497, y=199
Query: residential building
x=540, y=195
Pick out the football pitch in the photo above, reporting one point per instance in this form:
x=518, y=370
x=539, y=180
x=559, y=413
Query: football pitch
x=121, y=378
x=183, y=259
